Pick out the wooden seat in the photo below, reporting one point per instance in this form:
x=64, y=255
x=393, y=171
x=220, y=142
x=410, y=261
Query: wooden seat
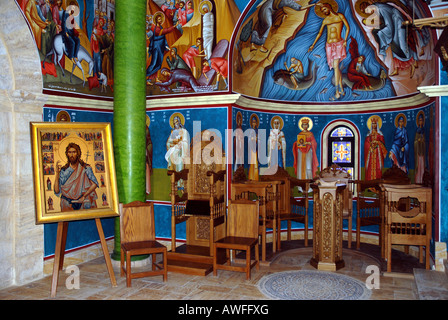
x=370, y=203
x=209, y=208
x=137, y=236
x=242, y=235
x=198, y=194
x=347, y=213
x=266, y=192
x=408, y=218
x=290, y=208
x=368, y=208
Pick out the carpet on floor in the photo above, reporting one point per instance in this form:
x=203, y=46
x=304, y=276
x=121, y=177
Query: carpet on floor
x=312, y=285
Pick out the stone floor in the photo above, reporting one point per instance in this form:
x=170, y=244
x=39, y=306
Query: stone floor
x=401, y=284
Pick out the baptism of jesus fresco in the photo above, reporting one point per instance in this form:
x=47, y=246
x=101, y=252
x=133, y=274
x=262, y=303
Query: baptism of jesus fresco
x=341, y=50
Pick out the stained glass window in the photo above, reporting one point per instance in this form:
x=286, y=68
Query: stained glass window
x=341, y=145
x=342, y=152
x=341, y=132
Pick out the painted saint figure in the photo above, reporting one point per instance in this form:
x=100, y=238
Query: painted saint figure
x=270, y=12
x=220, y=65
x=296, y=71
x=191, y=53
x=399, y=154
x=238, y=142
x=177, y=144
x=75, y=182
x=149, y=152
x=390, y=34
x=157, y=46
x=70, y=33
x=253, y=148
x=208, y=27
x=358, y=74
x=374, y=149
x=276, y=144
x=420, y=148
x=304, y=151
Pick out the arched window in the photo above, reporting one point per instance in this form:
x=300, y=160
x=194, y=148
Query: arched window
x=341, y=145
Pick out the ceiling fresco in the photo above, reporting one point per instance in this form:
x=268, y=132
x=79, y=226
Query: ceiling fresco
x=283, y=50
x=332, y=50
x=187, y=44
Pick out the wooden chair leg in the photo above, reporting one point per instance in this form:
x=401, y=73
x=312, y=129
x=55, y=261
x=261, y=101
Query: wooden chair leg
x=257, y=257
x=420, y=254
x=128, y=269
x=350, y=233
x=215, y=255
x=153, y=262
x=279, y=234
x=122, y=263
x=306, y=231
x=389, y=257
x=248, y=263
x=358, y=234
x=289, y=230
x=165, y=266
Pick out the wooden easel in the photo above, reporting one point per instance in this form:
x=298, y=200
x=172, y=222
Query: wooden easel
x=59, y=251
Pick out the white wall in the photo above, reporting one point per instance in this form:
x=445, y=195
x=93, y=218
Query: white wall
x=21, y=101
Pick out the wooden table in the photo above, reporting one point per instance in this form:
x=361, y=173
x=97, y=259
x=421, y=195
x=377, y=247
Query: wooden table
x=267, y=193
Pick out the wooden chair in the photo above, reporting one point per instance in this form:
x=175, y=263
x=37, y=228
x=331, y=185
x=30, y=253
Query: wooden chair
x=242, y=235
x=137, y=236
x=370, y=203
x=298, y=207
x=290, y=208
x=347, y=213
x=408, y=218
x=210, y=209
x=368, y=208
x=198, y=196
x=266, y=193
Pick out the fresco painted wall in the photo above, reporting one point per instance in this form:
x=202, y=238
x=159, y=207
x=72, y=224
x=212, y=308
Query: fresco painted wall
x=254, y=74
x=160, y=129
x=75, y=42
x=188, y=44
x=418, y=134
x=415, y=132
x=288, y=53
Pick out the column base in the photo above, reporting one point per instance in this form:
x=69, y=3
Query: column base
x=327, y=266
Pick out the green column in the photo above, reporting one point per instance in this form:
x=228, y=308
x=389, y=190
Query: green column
x=129, y=104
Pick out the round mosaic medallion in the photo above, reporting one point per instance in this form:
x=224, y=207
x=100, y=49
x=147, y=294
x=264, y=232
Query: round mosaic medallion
x=312, y=285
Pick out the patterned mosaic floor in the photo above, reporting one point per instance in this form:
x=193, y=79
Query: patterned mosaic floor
x=95, y=283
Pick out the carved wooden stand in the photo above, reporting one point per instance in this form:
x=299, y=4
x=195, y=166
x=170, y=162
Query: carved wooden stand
x=327, y=222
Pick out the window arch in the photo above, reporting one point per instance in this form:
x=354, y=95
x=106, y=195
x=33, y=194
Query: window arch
x=341, y=145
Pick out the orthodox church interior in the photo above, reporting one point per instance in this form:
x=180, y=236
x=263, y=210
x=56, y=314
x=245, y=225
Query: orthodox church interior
x=223, y=150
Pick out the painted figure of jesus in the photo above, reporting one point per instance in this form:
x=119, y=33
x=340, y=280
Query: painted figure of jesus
x=336, y=46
